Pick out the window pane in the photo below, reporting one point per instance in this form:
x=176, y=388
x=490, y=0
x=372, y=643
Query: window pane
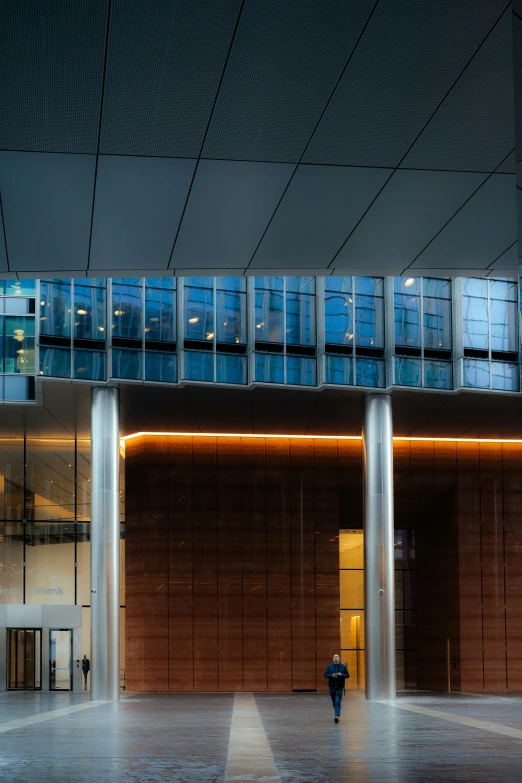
x=339, y=284
x=16, y=305
x=476, y=373
x=17, y=387
x=300, y=319
x=199, y=313
x=475, y=286
x=437, y=323
x=339, y=369
x=90, y=365
x=11, y=559
x=505, y=376
x=126, y=311
x=126, y=364
x=50, y=492
x=503, y=325
x=407, y=320
x=160, y=320
x=352, y=589
x=269, y=316
x=408, y=371
x=338, y=309
x=160, y=366
x=270, y=368
x=161, y=282
x=354, y=660
x=351, y=549
x=199, y=366
x=231, y=317
x=55, y=307
x=300, y=370
x=270, y=283
x=49, y=556
x=371, y=286
x=438, y=375
x=300, y=285
x=231, y=283
x=230, y=368
x=20, y=287
x=475, y=312
x=369, y=372
x=89, y=312
x=504, y=290
x=369, y=322
x=437, y=287
x=352, y=629
x=18, y=344
x=55, y=362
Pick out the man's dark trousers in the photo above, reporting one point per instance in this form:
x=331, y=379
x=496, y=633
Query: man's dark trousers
x=337, y=696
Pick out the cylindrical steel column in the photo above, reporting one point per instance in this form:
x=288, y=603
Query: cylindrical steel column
x=105, y=545
x=379, y=585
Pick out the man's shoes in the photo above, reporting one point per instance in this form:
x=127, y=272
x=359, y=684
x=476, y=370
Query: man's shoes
x=336, y=719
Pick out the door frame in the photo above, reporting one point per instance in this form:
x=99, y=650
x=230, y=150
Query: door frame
x=70, y=632
x=35, y=631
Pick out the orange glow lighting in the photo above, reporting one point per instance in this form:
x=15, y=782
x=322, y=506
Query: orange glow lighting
x=308, y=437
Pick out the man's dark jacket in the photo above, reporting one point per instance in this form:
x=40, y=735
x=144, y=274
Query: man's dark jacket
x=336, y=683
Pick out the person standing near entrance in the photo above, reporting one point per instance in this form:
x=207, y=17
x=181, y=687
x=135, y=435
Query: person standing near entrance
x=86, y=667
x=336, y=673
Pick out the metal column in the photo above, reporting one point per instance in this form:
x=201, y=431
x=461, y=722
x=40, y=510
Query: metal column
x=379, y=585
x=105, y=545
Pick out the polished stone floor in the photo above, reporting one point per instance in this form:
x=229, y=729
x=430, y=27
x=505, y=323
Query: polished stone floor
x=268, y=737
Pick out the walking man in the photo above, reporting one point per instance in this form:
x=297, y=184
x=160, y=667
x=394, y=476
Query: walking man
x=336, y=673
x=86, y=667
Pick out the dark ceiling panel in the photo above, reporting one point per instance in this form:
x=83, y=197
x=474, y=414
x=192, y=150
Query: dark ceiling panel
x=137, y=209
x=408, y=58
x=318, y=211
x=228, y=209
x=508, y=166
x=51, y=61
x=47, y=204
x=507, y=261
x=409, y=211
x=285, y=62
x=480, y=232
x=163, y=69
x=474, y=129
x=3, y=254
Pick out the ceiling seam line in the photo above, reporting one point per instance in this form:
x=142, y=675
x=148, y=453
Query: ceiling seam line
x=396, y=168
x=313, y=132
x=434, y=237
x=501, y=254
x=100, y=122
x=204, y=139
x=4, y=233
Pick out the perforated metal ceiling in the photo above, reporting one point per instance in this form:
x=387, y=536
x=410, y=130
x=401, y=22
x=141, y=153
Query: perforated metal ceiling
x=248, y=135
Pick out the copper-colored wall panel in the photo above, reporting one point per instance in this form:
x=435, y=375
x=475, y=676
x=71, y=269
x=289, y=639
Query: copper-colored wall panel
x=232, y=559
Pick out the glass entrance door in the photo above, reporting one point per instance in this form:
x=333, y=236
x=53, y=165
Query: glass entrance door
x=24, y=659
x=60, y=660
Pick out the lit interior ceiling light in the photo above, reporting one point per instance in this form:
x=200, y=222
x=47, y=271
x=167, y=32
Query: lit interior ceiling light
x=42, y=303
x=147, y=328
x=41, y=372
x=409, y=281
x=154, y=320
x=258, y=326
x=210, y=335
x=349, y=336
x=43, y=318
x=118, y=312
x=237, y=339
x=193, y=320
x=350, y=300
x=82, y=312
x=225, y=323
x=101, y=328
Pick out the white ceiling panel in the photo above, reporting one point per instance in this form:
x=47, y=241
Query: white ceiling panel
x=47, y=204
x=137, y=208
x=480, y=232
x=406, y=215
x=228, y=209
x=319, y=209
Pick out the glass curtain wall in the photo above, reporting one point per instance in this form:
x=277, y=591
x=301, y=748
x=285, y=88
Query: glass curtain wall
x=45, y=525
x=490, y=334
x=354, y=331
x=215, y=329
x=17, y=333
x=423, y=332
x=285, y=330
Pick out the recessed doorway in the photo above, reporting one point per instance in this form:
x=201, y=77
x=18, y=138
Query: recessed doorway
x=24, y=659
x=60, y=660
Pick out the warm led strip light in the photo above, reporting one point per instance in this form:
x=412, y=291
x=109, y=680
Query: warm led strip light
x=308, y=437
